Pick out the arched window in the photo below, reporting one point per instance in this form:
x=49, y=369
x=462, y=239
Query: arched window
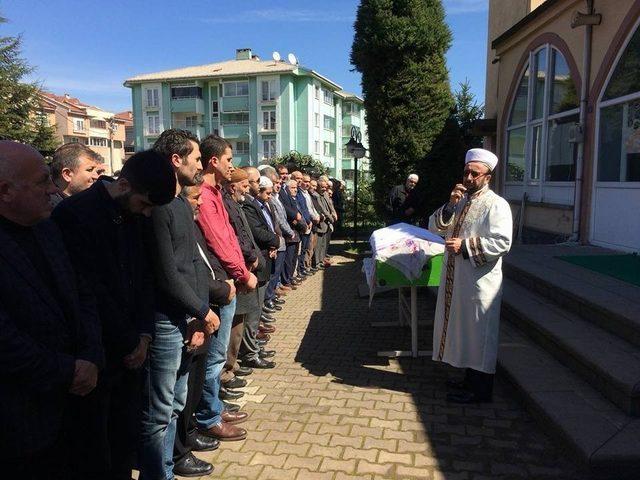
x=619, y=119
x=544, y=110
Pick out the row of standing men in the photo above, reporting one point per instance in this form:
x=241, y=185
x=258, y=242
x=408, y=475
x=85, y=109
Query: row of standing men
x=125, y=324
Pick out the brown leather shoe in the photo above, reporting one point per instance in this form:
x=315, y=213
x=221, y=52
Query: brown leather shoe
x=281, y=292
x=263, y=336
x=284, y=287
x=225, y=432
x=233, y=418
x=290, y=286
x=266, y=328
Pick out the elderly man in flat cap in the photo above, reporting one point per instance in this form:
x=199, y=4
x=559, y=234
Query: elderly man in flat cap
x=476, y=224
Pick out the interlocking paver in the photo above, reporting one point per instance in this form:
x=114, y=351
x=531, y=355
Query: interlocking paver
x=332, y=410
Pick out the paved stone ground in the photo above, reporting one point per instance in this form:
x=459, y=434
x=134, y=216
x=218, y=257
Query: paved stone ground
x=333, y=410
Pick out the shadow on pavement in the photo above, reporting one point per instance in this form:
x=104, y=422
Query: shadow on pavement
x=497, y=440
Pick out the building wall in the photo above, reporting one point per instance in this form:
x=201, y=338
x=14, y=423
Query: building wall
x=554, y=26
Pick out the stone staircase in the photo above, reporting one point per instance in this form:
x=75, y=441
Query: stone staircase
x=570, y=343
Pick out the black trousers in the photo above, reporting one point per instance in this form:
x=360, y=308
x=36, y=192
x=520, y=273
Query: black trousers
x=186, y=430
x=105, y=426
x=480, y=383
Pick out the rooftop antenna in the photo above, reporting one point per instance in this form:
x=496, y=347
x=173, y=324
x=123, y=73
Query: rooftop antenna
x=292, y=59
x=276, y=57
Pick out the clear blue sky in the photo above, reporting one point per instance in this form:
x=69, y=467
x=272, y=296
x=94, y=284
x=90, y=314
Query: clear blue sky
x=87, y=48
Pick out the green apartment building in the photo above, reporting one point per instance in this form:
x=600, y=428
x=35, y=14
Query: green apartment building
x=263, y=108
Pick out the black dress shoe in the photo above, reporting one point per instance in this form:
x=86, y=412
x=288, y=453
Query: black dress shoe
x=235, y=382
x=242, y=371
x=271, y=306
x=278, y=301
x=266, y=309
x=258, y=363
x=261, y=343
x=467, y=398
x=229, y=394
x=266, y=353
x=231, y=407
x=267, y=318
x=192, y=466
x=205, y=444
x=456, y=384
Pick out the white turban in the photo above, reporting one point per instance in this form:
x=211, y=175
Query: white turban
x=483, y=156
x=265, y=183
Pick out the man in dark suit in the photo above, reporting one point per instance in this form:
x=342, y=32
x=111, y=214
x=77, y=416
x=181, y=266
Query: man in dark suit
x=262, y=224
x=288, y=194
x=49, y=333
x=103, y=231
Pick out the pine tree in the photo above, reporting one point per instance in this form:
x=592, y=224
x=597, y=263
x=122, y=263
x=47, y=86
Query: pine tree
x=399, y=47
x=467, y=112
x=21, y=116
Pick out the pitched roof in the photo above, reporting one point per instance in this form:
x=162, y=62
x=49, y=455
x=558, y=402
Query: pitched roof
x=349, y=95
x=227, y=68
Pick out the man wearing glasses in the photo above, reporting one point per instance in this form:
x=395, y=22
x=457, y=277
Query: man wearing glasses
x=476, y=224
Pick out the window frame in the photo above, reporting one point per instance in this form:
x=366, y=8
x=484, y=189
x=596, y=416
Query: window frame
x=235, y=83
x=531, y=123
x=600, y=105
x=270, y=122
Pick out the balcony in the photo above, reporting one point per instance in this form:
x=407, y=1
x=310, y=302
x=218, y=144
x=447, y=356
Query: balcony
x=234, y=130
x=187, y=105
x=234, y=104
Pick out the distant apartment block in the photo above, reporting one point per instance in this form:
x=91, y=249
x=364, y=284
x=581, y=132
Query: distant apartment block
x=79, y=122
x=265, y=108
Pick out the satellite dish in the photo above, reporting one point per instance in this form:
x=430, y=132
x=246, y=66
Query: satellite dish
x=292, y=59
x=275, y=56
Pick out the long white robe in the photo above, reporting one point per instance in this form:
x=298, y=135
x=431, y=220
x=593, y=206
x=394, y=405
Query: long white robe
x=467, y=316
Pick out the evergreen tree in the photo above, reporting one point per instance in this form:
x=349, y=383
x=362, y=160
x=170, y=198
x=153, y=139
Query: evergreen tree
x=21, y=116
x=442, y=167
x=399, y=47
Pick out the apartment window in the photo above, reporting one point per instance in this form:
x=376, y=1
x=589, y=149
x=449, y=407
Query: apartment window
x=117, y=144
x=186, y=91
x=235, y=89
x=215, y=108
x=153, y=97
x=241, y=118
x=78, y=125
x=268, y=148
x=269, y=120
x=316, y=119
x=317, y=92
x=328, y=97
x=351, y=108
x=543, y=114
x=268, y=90
x=98, y=142
x=242, y=148
x=191, y=122
x=329, y=123
x=98, y=124
x=316, y=148
x=153, y=124
x=328, y=149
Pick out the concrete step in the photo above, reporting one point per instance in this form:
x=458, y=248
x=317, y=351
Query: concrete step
x=604, y=301
x=605, y=361
x=601, y=436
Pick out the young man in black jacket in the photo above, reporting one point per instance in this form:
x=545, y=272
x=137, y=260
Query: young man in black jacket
x=103, y=231
x=182, y=301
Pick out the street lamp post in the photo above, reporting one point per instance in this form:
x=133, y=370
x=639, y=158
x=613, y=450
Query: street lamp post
x=355, y=148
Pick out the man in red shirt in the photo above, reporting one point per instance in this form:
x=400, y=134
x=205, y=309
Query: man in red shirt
x=221, y=239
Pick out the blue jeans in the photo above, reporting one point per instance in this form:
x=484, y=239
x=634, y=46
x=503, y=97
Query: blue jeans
x=164, y=397
x=210, y=407
x=275, y=277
